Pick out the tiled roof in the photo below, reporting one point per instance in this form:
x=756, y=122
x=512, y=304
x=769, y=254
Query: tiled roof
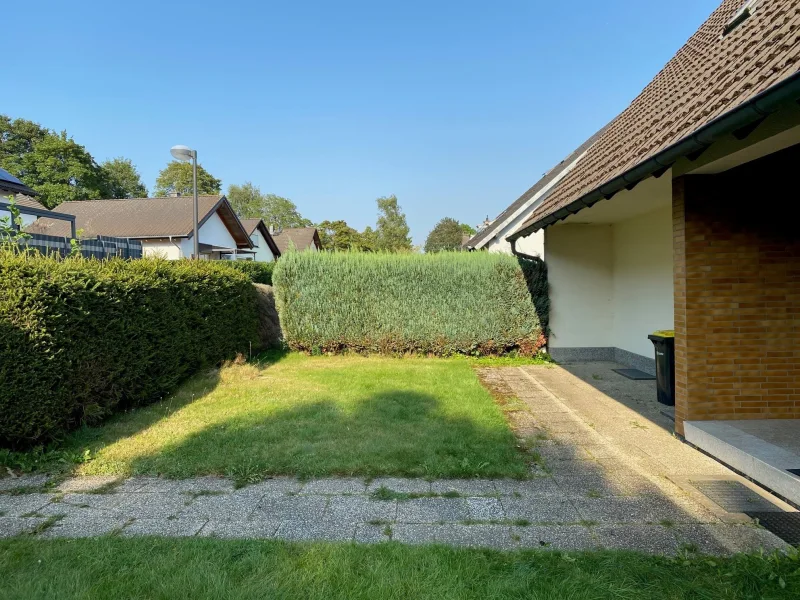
x=710, y=76
x=11, y=184
x=250, y=226
x=488, y=232
x=139, y=217
x=301, y=237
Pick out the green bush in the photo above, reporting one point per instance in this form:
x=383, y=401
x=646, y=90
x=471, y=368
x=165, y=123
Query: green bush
x=446, y=303
x=258, y=272
x=81, y=338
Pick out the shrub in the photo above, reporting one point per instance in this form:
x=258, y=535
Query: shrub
x=258, y=272
x=445, y=303
x=269, y=326
x=80, y=338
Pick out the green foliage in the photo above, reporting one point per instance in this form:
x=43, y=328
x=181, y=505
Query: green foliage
x=249, y=202
x=392, y=231
x=81, y=338
x=446, y=235
x=338, y=235
x=467, y=229
x=176, y=177
x=445, y=303
x=51, y=163
x=11, y=225
x=122, y=179
x=246, y=200
x=258, y=272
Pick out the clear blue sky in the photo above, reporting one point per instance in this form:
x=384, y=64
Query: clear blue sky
x=456, y=107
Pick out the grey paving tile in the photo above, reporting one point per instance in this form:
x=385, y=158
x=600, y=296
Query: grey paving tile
x=538, y=487
x=475, y=536
x=345, y=485
x=315, y=530
x=134, y=484
x=485, y=509
x=540, y=510
x=631, y=510
x=15, y=506
x=164, y=527
x=196, y=484
x=293, y=508
x=86, y=484
x=84, y=526
x=222, y=507
x=251, y=529
x=432, y=510
x=557, y=453
x=555, y=537
x=359, y=509
x=23, y=481
x=150, y=505
x=275, y=487
x=413, y=534
x=723, y=538
x=465, y=487
x=400, y=484
x=651, y=539
x=371, y=534
x=97, y=501
x=11, y=526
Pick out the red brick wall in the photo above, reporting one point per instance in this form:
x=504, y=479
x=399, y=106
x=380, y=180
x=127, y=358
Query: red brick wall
x=737, y=292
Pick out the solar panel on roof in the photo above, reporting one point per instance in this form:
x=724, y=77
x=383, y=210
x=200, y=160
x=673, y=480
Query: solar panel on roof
x=6, y=176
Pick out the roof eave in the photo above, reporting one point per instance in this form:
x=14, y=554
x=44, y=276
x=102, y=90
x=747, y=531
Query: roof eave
x=751, y=111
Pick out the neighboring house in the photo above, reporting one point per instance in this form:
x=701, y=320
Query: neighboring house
x=11, y=186
x=300, y=238
x=492, y=236
x=163, y=225
x=680, y=216
x=263, y=245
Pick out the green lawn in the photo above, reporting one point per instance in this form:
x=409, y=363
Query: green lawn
x=313, y=416
x=172, y=569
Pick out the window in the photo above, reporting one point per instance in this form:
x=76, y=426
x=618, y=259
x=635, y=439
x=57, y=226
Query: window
x=740, y=17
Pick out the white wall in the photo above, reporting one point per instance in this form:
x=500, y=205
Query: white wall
x=643, y=280
x=532, y=245
x=579, y=267
x=163, y=248
x=261, y=248
x=212, y=232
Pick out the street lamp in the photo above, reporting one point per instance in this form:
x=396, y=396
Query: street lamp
x=185, y=154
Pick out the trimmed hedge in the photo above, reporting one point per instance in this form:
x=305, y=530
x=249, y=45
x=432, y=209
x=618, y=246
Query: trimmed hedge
x=445, y=303
x=258, y=272
x=81, y=338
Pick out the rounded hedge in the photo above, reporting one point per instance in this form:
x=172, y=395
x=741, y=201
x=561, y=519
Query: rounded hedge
x=81, y=338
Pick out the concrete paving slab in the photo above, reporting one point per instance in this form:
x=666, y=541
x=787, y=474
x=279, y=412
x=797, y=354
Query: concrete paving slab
x=432, y=510
x=475, y=536
x=96, y=501
x=13, y=526
x=372, y=534
x=85, y=526
x=194, y=485
x=22, y=481
x=331, y=486
x=540, y=510
x=555, y=537
x=485, y=509
x=86, y=484
x=631, y=510
x=728, y=539
x=150, y=505
x=294, y=508
x=251, y=529
x=399, y=484
x=275, y=487
x=16, y=506
x=223, y=507
x=164, y=527
x=465, y=487
x=538, y=487
x=315, y=530
x=359, y=509
x=650, y=539
x=414, y=534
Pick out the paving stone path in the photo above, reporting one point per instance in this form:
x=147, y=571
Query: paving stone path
x=589, y=493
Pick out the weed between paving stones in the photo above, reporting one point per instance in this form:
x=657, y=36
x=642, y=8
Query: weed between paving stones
x=384, y=493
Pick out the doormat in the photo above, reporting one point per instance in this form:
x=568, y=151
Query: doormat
x=734, y=496
x=634, y=374
x=794, y=471
x=786, y=525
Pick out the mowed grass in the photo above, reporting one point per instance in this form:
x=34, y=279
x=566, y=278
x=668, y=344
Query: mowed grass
x=313, y=416
x=172, y=569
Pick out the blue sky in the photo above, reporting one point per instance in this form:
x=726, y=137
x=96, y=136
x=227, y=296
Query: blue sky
x=455, y=107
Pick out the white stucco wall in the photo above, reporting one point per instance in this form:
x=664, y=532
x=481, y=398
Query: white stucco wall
x=643, y=280
x=532, y=245
x=579, y=265
x=163, y=248
x=212, y=232
x=261, y=248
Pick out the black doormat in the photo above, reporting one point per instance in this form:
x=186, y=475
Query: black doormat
x=786, y=525
x=735, y=497
x=635, y=374
x=794, y=471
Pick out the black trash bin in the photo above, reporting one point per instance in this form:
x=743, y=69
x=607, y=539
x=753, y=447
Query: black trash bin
x=665, y=366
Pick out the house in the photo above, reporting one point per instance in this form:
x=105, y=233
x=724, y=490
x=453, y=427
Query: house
x=263, y=245
x=30, y=209
x=492, y=236
x=163, y=225
x=298, y=238
x=683, y=215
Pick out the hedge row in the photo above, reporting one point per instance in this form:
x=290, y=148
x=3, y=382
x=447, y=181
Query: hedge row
x=258, y=272
x=81, y=338
x=444, y=303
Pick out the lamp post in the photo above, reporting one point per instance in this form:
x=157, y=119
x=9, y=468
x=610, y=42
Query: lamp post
x=185, y=154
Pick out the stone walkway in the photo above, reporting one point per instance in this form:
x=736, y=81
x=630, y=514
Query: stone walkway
x=610, y=476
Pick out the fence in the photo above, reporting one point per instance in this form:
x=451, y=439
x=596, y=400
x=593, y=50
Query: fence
x=101, y=247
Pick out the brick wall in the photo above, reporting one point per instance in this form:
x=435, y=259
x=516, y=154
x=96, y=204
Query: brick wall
x=737, y=292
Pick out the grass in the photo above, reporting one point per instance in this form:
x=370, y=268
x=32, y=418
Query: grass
x=384, y=493
x=310, y=416
x=112, y=567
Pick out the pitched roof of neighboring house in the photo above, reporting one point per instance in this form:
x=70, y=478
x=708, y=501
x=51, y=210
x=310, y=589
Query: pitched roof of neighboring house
x=9, y=183
x=301, y=237
x=143, y=218
x=488, y=233
x=250, y=226
x=719, y=82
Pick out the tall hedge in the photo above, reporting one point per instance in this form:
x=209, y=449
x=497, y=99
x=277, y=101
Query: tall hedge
x=81, y=338
x=444, y=303
x=258, y=272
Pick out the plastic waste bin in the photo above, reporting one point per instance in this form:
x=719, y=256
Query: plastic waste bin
x=664, y=342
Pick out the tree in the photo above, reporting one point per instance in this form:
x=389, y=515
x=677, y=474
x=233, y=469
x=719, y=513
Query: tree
x=392, y=231
x=282, y=213
x=122, y=179
x=446, y=235
x=247, y=200
x=467, y=229
x=51, y=163
x=338, y=235
x=369, y=239
x=176, y=177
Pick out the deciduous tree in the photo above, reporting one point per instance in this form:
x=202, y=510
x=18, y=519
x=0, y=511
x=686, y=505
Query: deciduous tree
x=446, y=235
x=122, y=179
x=392, y=232
x=176, y=177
